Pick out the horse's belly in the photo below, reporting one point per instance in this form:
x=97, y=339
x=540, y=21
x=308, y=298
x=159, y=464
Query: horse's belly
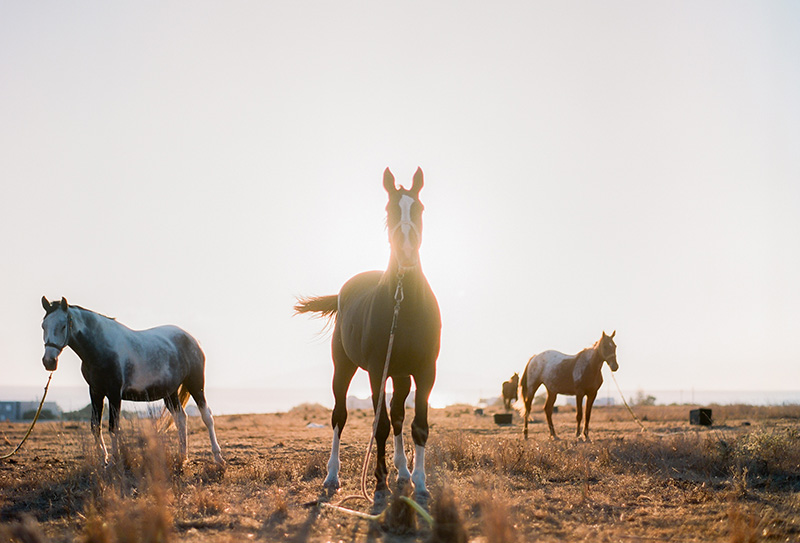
x=152, y=378
x=149, y=395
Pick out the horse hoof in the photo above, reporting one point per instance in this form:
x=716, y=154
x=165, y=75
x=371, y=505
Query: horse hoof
x=422, y=497
x=219, y=460
x=402, y=482
x=331, y=484
x=381, y=495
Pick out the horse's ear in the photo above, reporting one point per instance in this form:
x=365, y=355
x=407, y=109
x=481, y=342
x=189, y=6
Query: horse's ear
x=613, y=333
x=388, y=181
x=418, y=181
x=45, y=304
x=64, y=304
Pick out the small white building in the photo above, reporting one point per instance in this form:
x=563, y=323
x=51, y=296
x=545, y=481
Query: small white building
x=598, y=402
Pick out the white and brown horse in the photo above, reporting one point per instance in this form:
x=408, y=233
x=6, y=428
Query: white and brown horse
x=364, y=311
x=510, y=391
x=123, y=364
x=576, y=375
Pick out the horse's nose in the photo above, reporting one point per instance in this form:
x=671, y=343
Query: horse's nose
x=50, y=363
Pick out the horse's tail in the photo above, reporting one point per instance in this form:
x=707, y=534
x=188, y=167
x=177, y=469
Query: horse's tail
x=519, y=405
x=326, y=306
x=166, y=419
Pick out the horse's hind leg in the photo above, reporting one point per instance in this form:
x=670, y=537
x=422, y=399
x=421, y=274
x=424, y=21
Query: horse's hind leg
x=527, y=397
x=548, y=411
x=528, y=400
x=343, y=371
x=173, y=404
x=401, y=385
x=199, y=397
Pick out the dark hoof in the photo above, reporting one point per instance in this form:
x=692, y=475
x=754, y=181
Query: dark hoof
x=331, y=485
x=401, y=482
x=382, y=494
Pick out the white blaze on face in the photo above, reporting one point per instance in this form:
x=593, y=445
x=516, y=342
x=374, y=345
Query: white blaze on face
x=405, y=224
x=405, y=204
x=55, y=331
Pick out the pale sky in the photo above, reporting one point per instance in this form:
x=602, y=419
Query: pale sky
x=589, y=166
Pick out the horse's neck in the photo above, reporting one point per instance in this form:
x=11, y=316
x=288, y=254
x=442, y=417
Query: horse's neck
x=597, y=359
x=591, y=358
x=415, y=285
x=88, y=330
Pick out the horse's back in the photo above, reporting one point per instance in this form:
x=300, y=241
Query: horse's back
x=182, y=341
x=554, y=369
x=166, y=353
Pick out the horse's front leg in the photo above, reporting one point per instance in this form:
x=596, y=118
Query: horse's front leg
x=402, y=386
x=548, y=411
x=381, y=433
x=97, y=422
x=114, y=408
x=579, y=414
x=419, y=429
x=589, y=402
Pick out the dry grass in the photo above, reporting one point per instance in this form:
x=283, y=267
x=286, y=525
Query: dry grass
x=736, y=482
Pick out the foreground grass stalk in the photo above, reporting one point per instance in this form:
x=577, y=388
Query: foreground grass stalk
x=419, y=509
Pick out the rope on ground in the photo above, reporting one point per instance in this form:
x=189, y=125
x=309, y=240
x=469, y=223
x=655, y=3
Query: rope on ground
x=639, y=422
x=35, y=418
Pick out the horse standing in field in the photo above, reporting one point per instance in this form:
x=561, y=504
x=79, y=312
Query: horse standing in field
x=370, y=308
x=510, y=391
x=123, y=364
x=579, y=375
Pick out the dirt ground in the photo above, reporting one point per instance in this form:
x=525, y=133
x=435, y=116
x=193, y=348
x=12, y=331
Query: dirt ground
x=738, y=480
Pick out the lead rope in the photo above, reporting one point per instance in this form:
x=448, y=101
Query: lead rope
x=628, y=406
x=35, y=418
x=636, y=419
x=398, y=298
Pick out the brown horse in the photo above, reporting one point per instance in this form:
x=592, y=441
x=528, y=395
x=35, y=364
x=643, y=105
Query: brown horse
x=365, y=313
x=579, y=375
x=510, y=391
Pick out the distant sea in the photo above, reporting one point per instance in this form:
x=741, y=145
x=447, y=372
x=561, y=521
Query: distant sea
x=230, y=401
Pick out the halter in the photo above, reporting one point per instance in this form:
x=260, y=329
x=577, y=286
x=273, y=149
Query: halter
x=402, y=223
x=66, y=341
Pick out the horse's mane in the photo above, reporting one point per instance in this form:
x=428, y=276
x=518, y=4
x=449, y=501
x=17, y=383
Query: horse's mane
x=71, y=306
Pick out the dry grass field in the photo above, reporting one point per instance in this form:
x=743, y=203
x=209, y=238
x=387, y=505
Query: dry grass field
x=738, y=481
